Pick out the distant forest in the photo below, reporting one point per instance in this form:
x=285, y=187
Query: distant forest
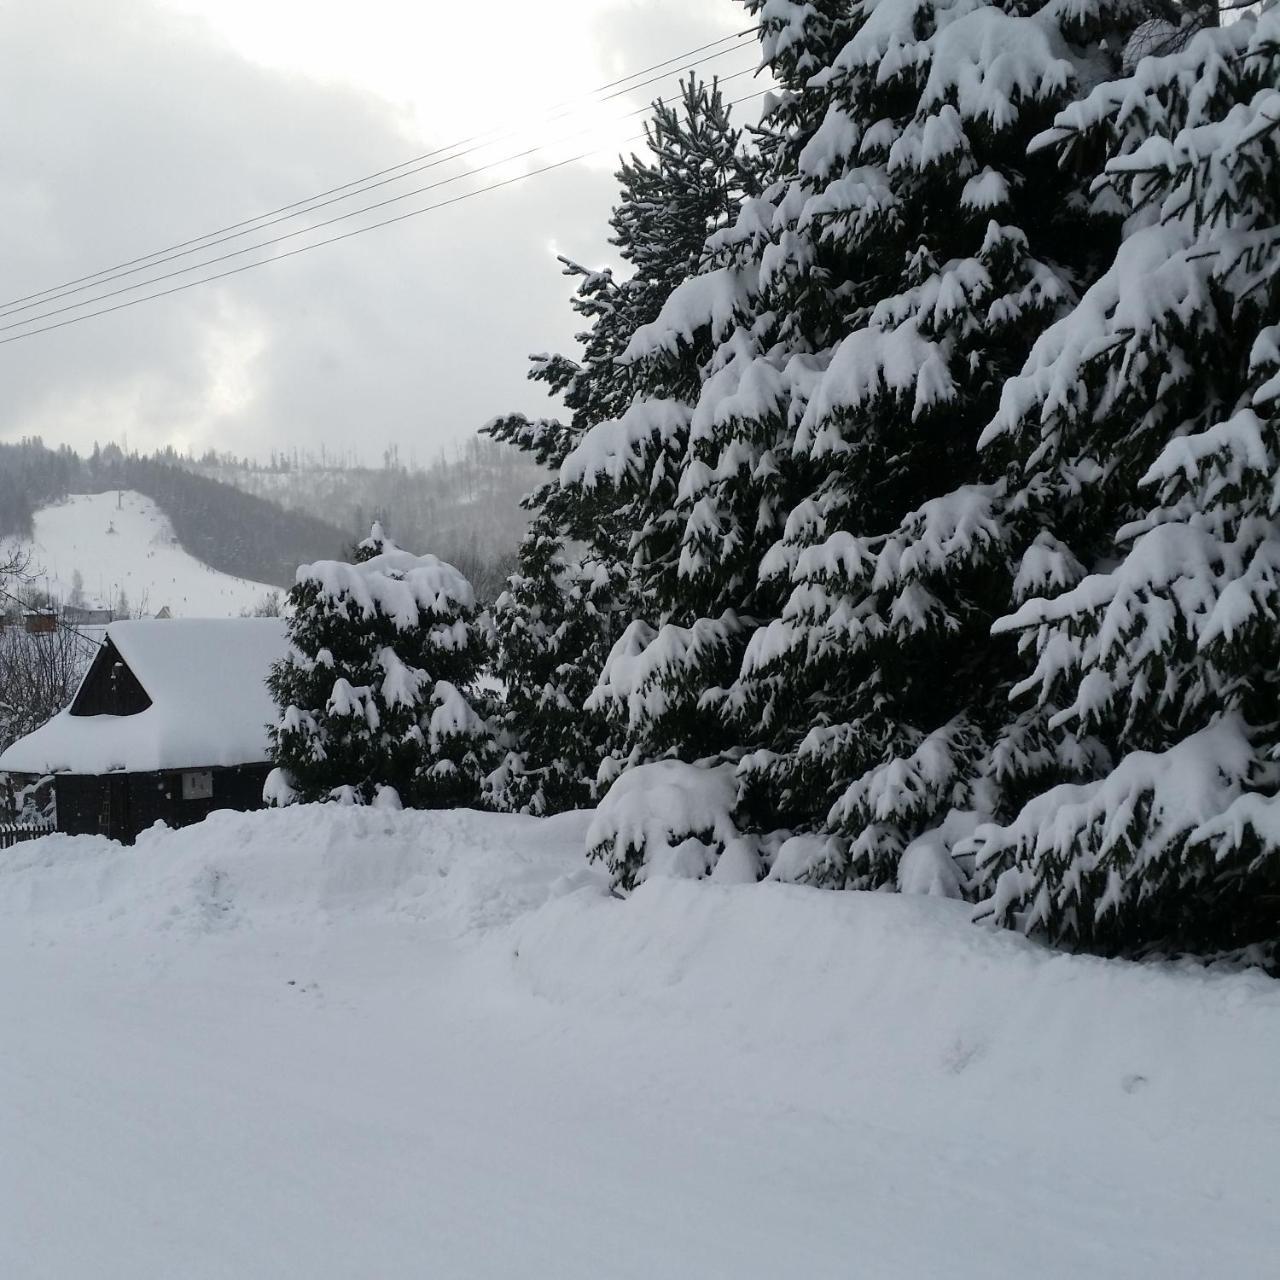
x=464, y=507
x=261, y=519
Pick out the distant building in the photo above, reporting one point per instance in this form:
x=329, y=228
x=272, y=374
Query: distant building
x=168, y=724
x=39, y=622
x=78, y=615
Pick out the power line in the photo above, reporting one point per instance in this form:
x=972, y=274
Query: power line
x=327, y=222
x=470, y=144
x=346, y=235
x=312, y=204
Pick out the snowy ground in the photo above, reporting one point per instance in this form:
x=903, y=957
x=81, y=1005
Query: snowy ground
x=354, y=1043
x=131, y=546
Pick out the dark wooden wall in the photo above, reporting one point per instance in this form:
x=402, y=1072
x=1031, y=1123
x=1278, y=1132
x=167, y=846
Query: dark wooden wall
x=120, y=805
x=110, y=688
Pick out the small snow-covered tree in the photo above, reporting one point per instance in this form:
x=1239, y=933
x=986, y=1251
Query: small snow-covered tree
x=554, y=618
x=670, y=819
x=1145, y=437
x=378, y=696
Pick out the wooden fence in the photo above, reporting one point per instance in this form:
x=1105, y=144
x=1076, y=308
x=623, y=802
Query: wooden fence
x=12, y=833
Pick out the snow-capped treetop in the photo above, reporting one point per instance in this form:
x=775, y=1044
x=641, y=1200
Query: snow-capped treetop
x=398, y=584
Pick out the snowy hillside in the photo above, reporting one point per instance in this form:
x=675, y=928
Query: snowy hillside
x=338, y=1042
x=127, y=543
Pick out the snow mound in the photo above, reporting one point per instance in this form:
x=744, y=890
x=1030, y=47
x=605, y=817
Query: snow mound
x=821, y=1002
x=307, y=863
x=667, y=818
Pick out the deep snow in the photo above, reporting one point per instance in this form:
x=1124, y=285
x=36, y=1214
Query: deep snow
x=348, y=1042
x=131, y=547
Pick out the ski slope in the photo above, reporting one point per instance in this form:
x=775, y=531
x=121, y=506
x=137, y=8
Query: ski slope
x=340, y=1042
x=128, y=543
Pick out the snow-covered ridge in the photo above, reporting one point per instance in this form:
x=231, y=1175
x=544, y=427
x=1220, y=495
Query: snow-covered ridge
x=124, y=542
x=304, y=864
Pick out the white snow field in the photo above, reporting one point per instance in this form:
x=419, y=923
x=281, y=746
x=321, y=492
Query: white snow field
x=131, y=546
x=364, y=1043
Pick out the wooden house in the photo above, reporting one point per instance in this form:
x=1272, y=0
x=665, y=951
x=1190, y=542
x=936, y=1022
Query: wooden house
x=168, y=724
x=40, y=622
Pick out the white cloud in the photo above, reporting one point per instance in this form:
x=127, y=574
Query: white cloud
x=143, y=122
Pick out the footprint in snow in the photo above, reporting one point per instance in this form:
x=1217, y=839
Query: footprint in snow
x=961, y=1055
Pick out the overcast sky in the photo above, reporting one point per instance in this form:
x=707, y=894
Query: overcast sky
x=134, y=124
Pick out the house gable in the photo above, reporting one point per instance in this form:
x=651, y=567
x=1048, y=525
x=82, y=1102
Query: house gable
x=188, y=694
x=109, y=687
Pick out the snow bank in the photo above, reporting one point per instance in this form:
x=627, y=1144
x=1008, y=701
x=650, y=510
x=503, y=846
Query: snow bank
x=832, y=997
x=301, y=865
x=821, y=1002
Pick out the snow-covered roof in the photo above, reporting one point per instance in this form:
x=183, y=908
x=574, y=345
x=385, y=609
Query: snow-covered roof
x=209, y=702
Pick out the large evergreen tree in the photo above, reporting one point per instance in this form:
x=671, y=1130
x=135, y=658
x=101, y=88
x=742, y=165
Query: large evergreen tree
x=879, y=693
x=582, y=565
x=833, y=521
x=376, y=700
x=1144, y=435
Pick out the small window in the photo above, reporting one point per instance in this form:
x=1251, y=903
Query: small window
x=198, y=785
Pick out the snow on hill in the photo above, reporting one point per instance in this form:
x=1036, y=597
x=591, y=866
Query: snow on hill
x=128, y=544
x=336, y=1042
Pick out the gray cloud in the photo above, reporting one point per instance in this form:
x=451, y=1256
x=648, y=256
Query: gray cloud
x=129, y=127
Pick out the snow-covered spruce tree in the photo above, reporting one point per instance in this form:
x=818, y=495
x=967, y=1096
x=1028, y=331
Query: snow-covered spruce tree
x=376, y=704
x=551, y=626
x=956, y=249
x=694, y=552
x=1145, y=433
x=834, y=517
x=576, y=585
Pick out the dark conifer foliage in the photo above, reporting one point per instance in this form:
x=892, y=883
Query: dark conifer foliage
x=919, y=250
x=378, y=704
x=590, y=547
x=1144, y=439
x=827, y=550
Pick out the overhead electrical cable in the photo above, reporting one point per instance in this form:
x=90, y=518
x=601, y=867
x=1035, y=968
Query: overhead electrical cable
x=379, y=178
x=326, y=222
x=345, y=235
x=314, y=203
